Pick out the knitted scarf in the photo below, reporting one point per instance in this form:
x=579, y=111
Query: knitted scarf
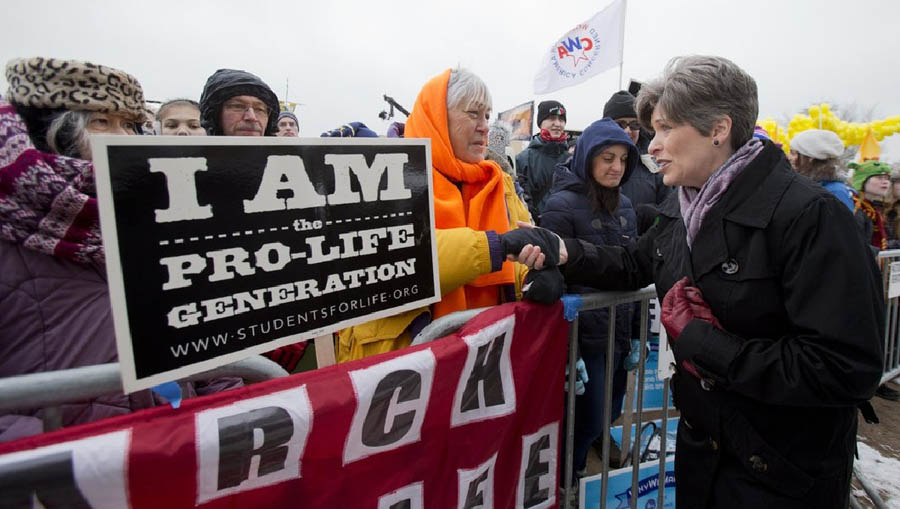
x=696, y=203
x=879, y=238
x=465, y=194
x=47, y=202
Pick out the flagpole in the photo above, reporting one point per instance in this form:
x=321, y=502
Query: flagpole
x=622, y=56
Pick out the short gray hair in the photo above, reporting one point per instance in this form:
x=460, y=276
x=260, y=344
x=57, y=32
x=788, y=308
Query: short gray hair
x=67, y=134
x=466, y=89
x=699, y=90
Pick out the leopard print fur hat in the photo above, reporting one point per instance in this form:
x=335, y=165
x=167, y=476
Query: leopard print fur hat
x=73, y=85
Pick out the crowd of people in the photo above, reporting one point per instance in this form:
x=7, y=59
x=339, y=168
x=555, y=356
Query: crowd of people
x=752, y=252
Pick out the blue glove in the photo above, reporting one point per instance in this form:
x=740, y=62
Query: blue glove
x=634, y=357
x=581, y=376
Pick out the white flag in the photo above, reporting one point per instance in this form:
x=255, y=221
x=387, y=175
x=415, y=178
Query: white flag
x=590, y=48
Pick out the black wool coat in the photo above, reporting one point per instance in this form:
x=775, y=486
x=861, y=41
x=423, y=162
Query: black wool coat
x=773, y=422
x=535, y=166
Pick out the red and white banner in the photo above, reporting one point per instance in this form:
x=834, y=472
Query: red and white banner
x=470, y=420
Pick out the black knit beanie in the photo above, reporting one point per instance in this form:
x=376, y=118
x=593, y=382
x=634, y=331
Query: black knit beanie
x=620, y=105
x=547, y=108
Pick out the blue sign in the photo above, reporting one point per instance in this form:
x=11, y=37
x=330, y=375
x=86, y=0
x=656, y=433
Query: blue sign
x=653, y=386
x=649, y=431
x=619, y=494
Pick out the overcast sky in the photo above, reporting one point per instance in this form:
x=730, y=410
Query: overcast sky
x=341, y=57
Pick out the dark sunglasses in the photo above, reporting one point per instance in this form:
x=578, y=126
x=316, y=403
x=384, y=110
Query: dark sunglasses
x=634, y=125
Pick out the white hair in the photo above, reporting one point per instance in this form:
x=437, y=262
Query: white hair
x=465, y=89
x=67, y=134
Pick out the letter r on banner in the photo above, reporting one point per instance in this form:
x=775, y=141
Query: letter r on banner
x=486, y=388
x=251, y=443
x=392, y=397
x=87, y=473
x=537, y=475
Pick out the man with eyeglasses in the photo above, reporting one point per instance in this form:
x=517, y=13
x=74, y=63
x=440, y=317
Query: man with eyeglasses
x=238, y=103
x=643, y=185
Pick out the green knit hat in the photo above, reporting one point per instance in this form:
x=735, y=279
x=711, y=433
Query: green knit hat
x=863, y=171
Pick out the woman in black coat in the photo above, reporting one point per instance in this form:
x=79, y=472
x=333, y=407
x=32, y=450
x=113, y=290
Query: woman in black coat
x=585, y=203
x=773, y=308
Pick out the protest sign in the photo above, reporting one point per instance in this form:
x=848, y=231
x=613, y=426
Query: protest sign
x=894, y=282
x=457, y=422
x=519, y=119
x=619, y=494
x=650, y=443
x=218, y=248
x=653, y=384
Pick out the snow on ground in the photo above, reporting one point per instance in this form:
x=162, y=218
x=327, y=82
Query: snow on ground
x=880, y=472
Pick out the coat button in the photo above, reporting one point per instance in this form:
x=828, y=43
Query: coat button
x=713, y=444
x=730, y=266
x=597, y=224
x=758, y=464
x=658, y=253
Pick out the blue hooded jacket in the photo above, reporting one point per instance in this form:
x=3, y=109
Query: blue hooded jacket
x=570, y=213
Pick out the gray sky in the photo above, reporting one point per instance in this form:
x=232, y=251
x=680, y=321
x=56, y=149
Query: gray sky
x=340, y=57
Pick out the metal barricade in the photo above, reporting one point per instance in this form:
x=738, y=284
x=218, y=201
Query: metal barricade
x=50, y=389
x=450, y=323
x=892, y=315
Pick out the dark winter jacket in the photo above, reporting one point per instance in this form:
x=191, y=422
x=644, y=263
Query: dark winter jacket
x=227, y=83
x=643, y=186
x=535, y=166
x=56, y=315
x=773, y=424
x=570, y=214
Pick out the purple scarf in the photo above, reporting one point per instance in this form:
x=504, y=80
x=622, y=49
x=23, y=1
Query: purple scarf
x=695, y=203
x=47, y=202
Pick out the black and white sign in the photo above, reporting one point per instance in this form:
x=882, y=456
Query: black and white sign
x=218, y=248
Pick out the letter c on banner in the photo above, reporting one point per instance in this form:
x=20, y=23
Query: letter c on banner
x=379, y=428
x=392, y=400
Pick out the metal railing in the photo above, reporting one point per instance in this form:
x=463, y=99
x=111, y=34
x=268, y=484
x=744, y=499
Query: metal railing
x=88, y=382
x=891, y=315
x=450, y=323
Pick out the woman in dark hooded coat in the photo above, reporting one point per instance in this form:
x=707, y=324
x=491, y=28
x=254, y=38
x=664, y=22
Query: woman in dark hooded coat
x=754, y=269
x=585, y=203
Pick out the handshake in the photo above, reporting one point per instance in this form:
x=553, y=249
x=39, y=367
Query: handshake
x=541, y=250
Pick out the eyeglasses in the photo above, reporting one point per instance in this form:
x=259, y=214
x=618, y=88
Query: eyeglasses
x=634, y=125
x=260, y=110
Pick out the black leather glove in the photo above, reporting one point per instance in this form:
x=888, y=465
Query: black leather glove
x=514, y=240
x=545, y=286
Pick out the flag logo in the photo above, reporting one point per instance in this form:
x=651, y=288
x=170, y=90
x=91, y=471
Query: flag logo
x=578, y=47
